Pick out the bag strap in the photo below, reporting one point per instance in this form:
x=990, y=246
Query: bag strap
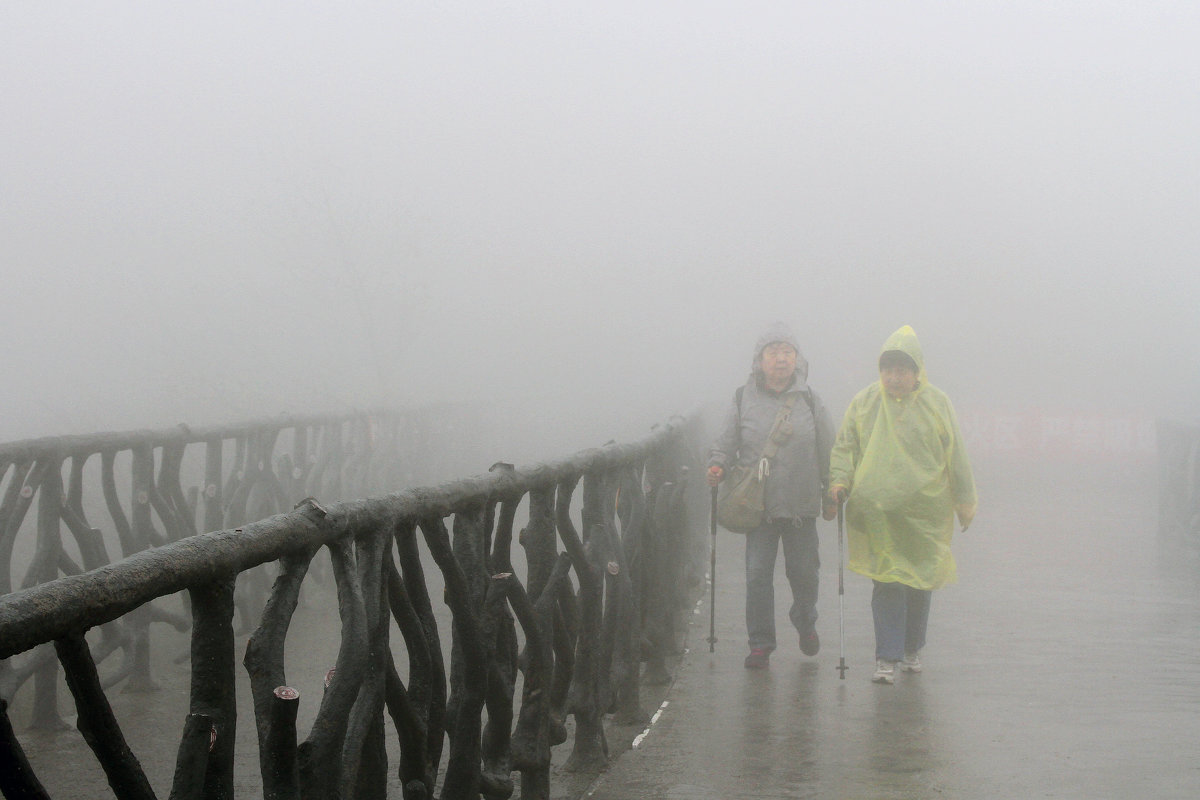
x=812, y=409
x=784, y=412
x=771, y=448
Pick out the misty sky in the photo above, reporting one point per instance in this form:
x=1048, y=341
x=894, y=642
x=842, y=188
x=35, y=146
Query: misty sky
x=213, y=211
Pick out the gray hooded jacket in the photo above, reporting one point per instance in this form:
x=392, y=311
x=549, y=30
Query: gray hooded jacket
x=800, y=469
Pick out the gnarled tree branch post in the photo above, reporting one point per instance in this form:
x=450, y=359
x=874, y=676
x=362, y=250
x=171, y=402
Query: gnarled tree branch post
x=578, y=649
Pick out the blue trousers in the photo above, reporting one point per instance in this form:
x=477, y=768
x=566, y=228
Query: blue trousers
x=801, y=564
x=901, y=615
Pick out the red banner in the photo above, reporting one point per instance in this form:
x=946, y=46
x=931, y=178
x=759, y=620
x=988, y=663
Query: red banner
x=1060, y=435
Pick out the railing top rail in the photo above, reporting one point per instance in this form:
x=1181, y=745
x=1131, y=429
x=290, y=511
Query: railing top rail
x=90, y=443
x=33, y=616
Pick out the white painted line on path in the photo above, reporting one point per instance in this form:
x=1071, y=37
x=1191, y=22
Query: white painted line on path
x=638, y=739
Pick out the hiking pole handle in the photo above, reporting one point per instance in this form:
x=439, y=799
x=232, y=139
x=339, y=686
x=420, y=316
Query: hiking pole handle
x=712, y=575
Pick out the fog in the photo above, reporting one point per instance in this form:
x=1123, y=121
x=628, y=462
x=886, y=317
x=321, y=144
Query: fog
x=213, y=211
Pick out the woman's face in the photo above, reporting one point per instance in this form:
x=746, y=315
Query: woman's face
x=778, y=362
x=899, y=381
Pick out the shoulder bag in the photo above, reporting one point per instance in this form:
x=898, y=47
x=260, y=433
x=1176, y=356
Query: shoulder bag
x=740, y=499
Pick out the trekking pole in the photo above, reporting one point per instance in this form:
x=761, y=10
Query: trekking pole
x=712, y=572
x=841, y=667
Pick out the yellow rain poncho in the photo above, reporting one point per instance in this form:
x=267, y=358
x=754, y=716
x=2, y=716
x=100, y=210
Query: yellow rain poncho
x=907, y=473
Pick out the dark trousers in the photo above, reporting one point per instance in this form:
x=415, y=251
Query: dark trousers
x=901, y=615
x=801, y=564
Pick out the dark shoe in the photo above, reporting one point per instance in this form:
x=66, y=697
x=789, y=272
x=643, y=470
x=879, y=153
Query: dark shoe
x=758, y=659
x=810, y=643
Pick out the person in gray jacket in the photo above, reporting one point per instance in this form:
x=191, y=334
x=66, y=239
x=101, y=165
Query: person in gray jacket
x=795, y=485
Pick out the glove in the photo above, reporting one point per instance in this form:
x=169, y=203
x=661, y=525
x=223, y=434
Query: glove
x=966, y=513
x=714, y=475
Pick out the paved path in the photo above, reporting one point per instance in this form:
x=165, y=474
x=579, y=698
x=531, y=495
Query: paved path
x=1065, y=663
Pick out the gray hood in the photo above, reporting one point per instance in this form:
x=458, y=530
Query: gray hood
x=779, y=332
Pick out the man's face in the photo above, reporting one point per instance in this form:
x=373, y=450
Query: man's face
x=778, y=362
x=898, y=380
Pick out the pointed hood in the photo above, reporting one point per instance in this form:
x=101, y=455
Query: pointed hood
x=905, y=341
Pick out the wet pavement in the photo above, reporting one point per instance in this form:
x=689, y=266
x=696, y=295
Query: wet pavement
x=1065, y=663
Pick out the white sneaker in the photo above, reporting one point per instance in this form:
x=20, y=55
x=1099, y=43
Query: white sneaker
x=885, y=672
x=911, y=663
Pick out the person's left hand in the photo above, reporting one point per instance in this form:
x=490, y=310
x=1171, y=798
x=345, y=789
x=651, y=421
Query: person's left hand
x=966, y=513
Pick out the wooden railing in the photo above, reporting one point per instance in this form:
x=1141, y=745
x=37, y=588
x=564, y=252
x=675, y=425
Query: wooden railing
x=629, y=556
x=234, y=474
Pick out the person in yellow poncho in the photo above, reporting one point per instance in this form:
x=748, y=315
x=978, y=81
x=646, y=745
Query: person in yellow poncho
x=899, y=464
